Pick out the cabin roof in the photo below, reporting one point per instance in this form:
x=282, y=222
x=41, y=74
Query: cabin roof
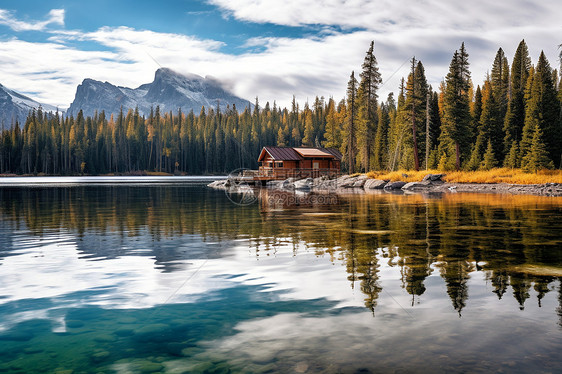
x=313, y=152
x=299, y=153
x=337, y=154
x=280, y=153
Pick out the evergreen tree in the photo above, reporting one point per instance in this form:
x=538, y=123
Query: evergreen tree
x=512, y=160
x=477, y=153
x=542, y=110
x=537, y=158
x=415, y=112
x=333, y=127
x=308, y=139
x=476, y=113
x=456, y=111
x=489, y=160
x=350, y=129
x=490, y=120
x=380, y=155
x=367, y=107
x=500, y=82
x=515, y=116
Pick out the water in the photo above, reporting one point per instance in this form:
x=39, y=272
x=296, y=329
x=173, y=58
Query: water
x=179, y=279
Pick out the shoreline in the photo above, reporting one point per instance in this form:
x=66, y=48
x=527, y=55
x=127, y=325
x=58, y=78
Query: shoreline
x=431, y=183
x=20, y=181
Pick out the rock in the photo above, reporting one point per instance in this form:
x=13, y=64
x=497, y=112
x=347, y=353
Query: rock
x=415, y=186
x=433, y=177
x=374, y=184
x=348, y=183
x=304, y=184
x=360, y=182
x=341, y=180
x=145, y=366
x=220, y=184
x=288, y=184
x=105, y=338
x=99, y=356
x=394, y=185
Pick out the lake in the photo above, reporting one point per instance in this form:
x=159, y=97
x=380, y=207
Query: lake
x=179, y=278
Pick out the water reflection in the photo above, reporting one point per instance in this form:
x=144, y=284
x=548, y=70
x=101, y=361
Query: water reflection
x=516, y=241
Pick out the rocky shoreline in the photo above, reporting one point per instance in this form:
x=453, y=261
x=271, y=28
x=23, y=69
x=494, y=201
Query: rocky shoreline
x=431, y=183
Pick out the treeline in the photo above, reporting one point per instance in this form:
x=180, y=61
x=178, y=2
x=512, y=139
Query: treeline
x=514, y=119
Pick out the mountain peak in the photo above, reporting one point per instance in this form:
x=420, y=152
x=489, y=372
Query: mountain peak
x=15, y=106
x=170, y=75
x=169, y=90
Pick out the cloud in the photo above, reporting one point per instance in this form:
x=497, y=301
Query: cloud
x=55, y=16
x=276, y=68
x=391, y=15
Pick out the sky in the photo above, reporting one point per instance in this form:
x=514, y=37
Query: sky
x=260, y=48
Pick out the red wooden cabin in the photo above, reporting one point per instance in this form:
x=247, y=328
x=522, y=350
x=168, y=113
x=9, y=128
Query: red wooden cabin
x=298, y=162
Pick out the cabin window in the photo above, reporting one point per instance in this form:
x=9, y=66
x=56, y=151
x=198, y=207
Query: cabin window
x=315, y=165
x=278, y=164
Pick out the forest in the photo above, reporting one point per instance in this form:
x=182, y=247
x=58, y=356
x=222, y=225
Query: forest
x=513, y=119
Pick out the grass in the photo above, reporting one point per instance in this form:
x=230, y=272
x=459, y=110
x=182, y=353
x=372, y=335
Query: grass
x=502, y=175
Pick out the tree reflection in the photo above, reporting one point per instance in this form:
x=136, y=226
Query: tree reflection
x=457, y=234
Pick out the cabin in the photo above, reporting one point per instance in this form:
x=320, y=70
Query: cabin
x=298, y=162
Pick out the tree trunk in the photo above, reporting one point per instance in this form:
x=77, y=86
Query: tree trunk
x=458, y=156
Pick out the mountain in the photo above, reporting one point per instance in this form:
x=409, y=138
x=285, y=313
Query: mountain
x=169, y=90
x=15, y=106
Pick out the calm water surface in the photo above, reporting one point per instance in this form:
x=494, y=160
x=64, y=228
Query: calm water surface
x=178, y=279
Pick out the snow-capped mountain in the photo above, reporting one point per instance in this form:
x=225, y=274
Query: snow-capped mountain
x=169, y=90
x=15, y=106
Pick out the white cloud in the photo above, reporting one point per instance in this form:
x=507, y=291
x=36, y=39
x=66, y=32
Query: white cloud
x=278, y=67
x=56, y=16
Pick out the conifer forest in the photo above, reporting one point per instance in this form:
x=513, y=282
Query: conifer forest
x=513, y=119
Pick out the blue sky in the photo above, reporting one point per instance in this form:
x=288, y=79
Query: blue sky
x=263, y=48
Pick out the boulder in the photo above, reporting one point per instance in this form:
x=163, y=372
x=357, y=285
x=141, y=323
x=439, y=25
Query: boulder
x=433, y=177
x=348, y=183
x=416, y=186
x=287, y=184
x=395, y=185
x=360, y=181
x=304, y=184
x=374, y=184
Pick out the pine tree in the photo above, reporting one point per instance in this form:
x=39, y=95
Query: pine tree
x=476, y=113
x=308, y=139
x=415, y=112
x=490, y=120
x=542, y=110
x=515, y=116
x=380, y=154
x=434, y=121
x=367, y=106
x=350, y=129
x=489, y=161
x=333, y=127
x=537, y=158
x=477, y=153
x=455, y=134
x=512, y=160
x=500, y=82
